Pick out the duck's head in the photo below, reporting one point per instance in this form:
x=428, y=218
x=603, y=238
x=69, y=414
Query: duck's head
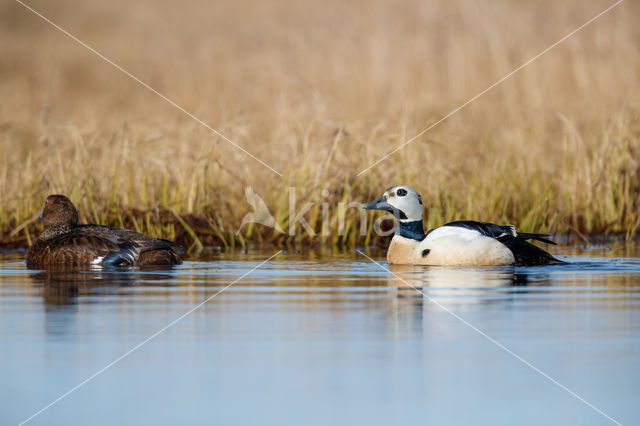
x=402, y=201
x=59, y=214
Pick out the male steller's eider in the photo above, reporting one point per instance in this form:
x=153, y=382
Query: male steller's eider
x=460, y=243
x=65, y=243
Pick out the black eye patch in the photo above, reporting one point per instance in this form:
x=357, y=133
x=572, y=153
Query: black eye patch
x=401, y=192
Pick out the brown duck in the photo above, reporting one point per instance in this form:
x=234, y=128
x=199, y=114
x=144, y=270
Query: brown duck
x=65, y=243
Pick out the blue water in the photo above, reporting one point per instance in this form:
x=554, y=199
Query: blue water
x=324, y=338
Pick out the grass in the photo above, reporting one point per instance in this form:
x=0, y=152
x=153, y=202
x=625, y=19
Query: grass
x=319, y=90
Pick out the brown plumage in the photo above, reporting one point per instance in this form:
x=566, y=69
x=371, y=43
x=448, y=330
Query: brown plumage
x=64, y=242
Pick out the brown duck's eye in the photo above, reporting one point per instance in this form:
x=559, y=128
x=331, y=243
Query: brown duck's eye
x=401, y=192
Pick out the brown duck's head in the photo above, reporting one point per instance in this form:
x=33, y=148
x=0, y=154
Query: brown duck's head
x=59, y=214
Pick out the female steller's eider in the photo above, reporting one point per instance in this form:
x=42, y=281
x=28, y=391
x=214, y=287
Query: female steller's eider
x=461, y=243
x=65, y=243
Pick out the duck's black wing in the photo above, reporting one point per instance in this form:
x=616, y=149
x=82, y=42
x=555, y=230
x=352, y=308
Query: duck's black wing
x=524, y=252
x=489, y=229
x=497, y=231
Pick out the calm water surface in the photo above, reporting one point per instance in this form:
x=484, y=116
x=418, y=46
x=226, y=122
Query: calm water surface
x=317, y=339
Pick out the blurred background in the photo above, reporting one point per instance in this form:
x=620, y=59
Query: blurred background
x=319, y=91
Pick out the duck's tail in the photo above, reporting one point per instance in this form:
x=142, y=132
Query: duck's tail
x=527, y=254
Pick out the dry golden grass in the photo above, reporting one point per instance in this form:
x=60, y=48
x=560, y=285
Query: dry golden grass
x=320, y=90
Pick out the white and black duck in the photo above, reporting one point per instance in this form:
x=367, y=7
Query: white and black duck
x=460, y=243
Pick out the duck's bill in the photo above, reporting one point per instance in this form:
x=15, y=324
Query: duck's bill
x=379, y=204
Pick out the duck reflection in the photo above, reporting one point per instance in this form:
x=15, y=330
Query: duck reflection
x=461, y=285
x=455, y=278
x=64, y=291
x=452, y=289
x=62, y=287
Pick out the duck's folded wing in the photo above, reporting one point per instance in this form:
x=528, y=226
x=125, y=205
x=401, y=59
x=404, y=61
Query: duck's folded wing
x=156, y=252
x=488, y=229
x=76, y=249
x=499, y=231
x=123, y=235
x=538, y=237
x=145, y=253
x=524, y=253
x=126, y=254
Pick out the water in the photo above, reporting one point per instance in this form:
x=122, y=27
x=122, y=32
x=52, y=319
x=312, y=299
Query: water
x=317, y=339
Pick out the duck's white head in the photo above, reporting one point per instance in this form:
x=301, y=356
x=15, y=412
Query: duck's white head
x=402, y=201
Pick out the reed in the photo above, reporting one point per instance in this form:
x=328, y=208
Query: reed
x=320, y=90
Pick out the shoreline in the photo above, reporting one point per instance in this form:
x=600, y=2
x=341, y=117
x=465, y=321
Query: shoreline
x=562, y=240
